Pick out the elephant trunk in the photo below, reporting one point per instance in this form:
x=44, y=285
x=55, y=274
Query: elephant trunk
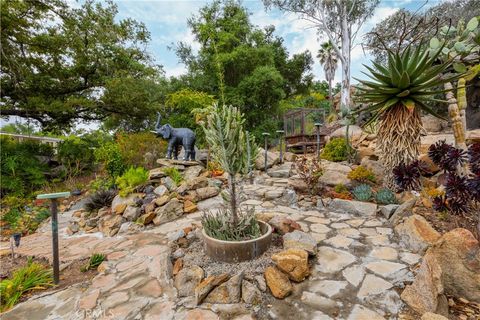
x=157, y=125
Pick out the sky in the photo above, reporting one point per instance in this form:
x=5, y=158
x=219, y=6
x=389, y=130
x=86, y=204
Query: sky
x=167, y=23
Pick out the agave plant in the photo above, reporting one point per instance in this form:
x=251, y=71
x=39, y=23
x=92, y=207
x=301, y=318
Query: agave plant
x=401, y=89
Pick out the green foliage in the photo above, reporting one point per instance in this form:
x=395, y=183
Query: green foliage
x=174, y=174
x=75, y=50
x=33, y=276
x=341, y=188
x=218, y=225
x=385, y=196
x=131, y=179
x=95, y=260
x=335, y=150
x=21, y=171
x=134, y=146
x=76, y=155
x=110, y=156
x=409, y=79
x=361, y=174
x=101, y=183
x=100, y=199
x=362, y=192
x=256, y=70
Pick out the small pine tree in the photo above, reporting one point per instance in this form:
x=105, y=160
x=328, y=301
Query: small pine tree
x=229, y=144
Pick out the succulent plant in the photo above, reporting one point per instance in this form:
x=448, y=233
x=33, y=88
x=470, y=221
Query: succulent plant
x=407, y=177
x=385, y=196
x=362, y=192
x=100, y=199
x=474, y=158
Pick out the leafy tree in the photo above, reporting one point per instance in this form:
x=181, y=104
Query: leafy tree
x=60, y=63
x=406, y=27
x=339, y=20
x=328, y=58
x=255, y=70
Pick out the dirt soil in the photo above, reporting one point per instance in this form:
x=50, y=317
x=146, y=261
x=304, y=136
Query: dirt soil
x=69, y=275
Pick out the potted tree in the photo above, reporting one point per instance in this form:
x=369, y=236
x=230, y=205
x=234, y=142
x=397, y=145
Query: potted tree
x=232, y=234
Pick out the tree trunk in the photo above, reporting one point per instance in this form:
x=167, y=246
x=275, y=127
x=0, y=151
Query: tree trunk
x=398, y=140
x=233, y=198
x=330, y=96
x=455, y=117
x=346, y=42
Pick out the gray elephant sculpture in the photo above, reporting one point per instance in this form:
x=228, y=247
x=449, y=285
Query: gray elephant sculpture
x=176, y=137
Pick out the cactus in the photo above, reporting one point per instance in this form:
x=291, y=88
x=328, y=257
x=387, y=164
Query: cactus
x=385, y=196
x=362, y=192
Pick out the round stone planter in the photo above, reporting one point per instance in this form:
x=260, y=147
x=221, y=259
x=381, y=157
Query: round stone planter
x=236, y=251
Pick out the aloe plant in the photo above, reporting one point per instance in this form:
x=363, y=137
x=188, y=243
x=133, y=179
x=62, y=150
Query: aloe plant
x=400, y=89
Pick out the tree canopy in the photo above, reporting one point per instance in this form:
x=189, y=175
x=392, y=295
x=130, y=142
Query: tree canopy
x=60, y=64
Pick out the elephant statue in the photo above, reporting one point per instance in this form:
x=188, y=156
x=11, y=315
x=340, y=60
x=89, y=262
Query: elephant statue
x=176, y=137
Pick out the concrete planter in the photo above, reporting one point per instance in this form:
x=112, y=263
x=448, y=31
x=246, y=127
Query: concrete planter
x=236, y=251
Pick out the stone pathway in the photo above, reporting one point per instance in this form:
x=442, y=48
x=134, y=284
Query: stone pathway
x=356, y=273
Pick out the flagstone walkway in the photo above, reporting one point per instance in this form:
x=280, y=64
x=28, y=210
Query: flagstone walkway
x=358, y=270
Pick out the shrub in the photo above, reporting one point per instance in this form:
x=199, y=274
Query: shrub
x=110, y=156
x=76, y=155
x=362, y=192
x=310, y=171
x=385, y=196
x=95, y=260
x=21, y=171
x=33, y=276
x=361, y=174
x=134, y=147
x=218, y=225
x=340, y=188
x=335, y=150
x=174, y=174
x=100, y=199
x=131, y=179
x=101, y=183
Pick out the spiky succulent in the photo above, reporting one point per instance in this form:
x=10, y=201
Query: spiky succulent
x=385, y=196
x=474, y=158
x=446, y=156
x=407, y=177
x=438, y=151
x=439, y=204
x=100, y=199
x=457, y=187
x=409, y=78
x=362, y=192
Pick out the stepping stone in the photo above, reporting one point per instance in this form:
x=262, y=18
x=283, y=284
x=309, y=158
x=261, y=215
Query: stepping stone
x=318, y=302
x=360, y=312
x=350, y=232
x=328, y=288
x=385, y=269
x=373, y=285
x=354, y=274
x=318, y=315
x=368, y=231
x=318, y=220
x=386, y=231
x=333, y=260
x=384, y=253
x=319, y=228
x=252, y=202
x=339, y=241
x=380, y=240
x=373, y=223
x=339, y=225
x=355, y=222
x=314, y=213
x=410, y=258
x=319, y=237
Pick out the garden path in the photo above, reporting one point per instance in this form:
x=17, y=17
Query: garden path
x=356, y=275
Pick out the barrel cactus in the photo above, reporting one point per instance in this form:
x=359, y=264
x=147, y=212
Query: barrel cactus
x=385, y=196
x=362, y=192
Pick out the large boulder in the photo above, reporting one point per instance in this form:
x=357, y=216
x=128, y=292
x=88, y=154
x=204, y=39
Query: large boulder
x=297, y=184
x=283, y=225
x=375, y=166
x=404, y=210
x=334, y=173
x=458, y=254
x=196, y=183
x=171, y=211
x=423, y=294
x=273, y=158
x=278, y=282
x=187, y=280
x=354, y=132
x=416, y=233
x=300, y=240
x=353, y=207
x=227, y=292
x=192, y=172
x=432, y=124
x=131, y=213
x=204, y=287
x=294, y=262
x=205, y=193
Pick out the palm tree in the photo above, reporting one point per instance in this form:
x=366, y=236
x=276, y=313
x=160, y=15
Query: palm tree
x=328, y=59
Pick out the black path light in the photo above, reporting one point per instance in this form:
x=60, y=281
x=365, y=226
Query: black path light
x=15, y=242
x=280, y=134
x=317, y=126
x=53, y=208
x=266, y=134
